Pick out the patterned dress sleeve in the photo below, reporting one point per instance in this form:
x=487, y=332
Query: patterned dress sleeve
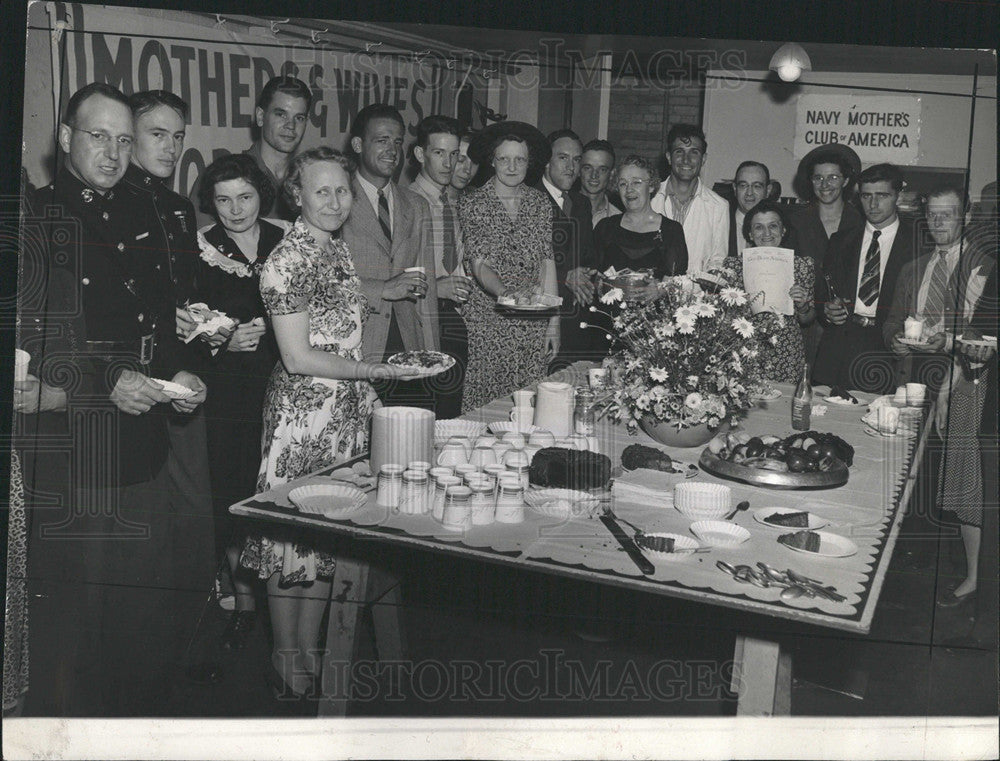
x=472, y=219
x=804, y=275
x=286, y=281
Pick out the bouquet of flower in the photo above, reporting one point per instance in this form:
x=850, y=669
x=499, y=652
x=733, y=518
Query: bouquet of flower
x=685, y=356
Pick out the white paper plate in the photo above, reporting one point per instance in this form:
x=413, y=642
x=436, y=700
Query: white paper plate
x=719, y=533
x=502, y=427
x=331, y=500
x=446, y=362
x=990, y=341
x=445, y=429
x=766, y=396
x=684, y=547
x=352, y=476
x=815, y=521
x=549, y=302
x=175, y=390
x=561, y=503
x=830, y=546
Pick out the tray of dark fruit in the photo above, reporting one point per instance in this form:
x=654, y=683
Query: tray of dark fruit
x=808, y=460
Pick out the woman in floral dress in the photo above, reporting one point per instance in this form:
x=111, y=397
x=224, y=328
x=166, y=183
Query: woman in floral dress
x=319, y=400
x=783, y=348
x=507, y=229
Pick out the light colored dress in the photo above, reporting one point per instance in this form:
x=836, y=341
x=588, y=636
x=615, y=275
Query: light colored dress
x=309, y=422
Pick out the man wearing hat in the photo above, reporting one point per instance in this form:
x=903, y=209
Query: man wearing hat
x=862, y=267
x=825, y=179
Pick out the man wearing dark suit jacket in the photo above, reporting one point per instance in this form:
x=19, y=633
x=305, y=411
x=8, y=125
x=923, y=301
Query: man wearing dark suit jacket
x=572, y=245
x=389, y=237
x=863, y=266
x=750, y=186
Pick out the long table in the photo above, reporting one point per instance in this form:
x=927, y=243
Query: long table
x=868, y=510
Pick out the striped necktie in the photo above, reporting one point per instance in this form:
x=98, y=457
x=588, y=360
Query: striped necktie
x=937, y=292
x=450, y=256
x=567, y=204
x=383, y=215
x=870, y=278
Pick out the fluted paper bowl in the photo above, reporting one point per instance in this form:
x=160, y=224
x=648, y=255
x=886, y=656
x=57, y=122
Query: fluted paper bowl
x=328, y=500
x=702, y=501
x=719, y=533
x=561, y=503
x=445, y=429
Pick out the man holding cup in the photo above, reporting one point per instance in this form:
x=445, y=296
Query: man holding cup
x=937, y=292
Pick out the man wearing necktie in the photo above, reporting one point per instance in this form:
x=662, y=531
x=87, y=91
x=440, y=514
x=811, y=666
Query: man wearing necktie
x=940, y=288
x=863, y=265
x=572, y=246
x=437, y=153
x=388, y=235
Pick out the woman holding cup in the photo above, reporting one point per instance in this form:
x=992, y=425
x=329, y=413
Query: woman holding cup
x=319, y=399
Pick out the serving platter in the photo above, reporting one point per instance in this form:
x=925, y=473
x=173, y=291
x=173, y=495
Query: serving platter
x=773, y=479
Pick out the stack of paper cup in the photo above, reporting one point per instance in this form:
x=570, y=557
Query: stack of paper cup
x=401, y=435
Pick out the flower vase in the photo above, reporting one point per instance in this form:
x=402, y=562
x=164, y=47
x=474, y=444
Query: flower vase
x=670, y=435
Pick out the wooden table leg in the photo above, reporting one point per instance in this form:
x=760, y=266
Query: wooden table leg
x=762, y=678
x=386, y=601
x=347, y=595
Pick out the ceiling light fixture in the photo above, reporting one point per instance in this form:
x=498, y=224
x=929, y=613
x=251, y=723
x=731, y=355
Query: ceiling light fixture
x=789, y=61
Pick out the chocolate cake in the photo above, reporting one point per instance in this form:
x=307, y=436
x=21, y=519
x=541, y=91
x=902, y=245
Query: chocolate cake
x=792, y=520
x=801, y=540
x=561, y=468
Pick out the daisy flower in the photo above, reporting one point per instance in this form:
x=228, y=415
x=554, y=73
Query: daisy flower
x=685, y=314
x=743, y=326
x=693, y=400
x=733, y=297
x=659, y=374
x=615, y=294
x=705, y=309
x=692, y=380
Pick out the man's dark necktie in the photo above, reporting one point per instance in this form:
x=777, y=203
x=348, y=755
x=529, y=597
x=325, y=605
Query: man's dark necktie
x=383, y=215
x=567, y=204
x=450, y=255
x=937, y=291
x=870, y=278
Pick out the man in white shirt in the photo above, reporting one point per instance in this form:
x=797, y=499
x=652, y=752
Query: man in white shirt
x=595, y=172
x=684, y=198
x=438, y=154
x=862, y=266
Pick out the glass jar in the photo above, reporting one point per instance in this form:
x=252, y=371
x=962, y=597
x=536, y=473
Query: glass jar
x=585, y=413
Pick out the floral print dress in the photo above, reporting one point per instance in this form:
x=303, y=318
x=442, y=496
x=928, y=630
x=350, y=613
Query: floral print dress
x=309, y=422
x=505, y=353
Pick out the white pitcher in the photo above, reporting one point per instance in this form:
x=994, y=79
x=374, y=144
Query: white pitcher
x=554, y=407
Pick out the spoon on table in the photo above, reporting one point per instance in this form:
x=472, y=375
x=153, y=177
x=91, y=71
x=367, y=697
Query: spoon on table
x=744, y=505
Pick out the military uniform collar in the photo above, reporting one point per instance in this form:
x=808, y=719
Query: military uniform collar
x=72, y=187
x=138, y=177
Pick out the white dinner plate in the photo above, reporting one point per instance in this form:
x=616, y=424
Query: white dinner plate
x=445, y=363
x=175, y=390
x=815, y=521
x=844, y=402
x=912, y=341
x=990, y=341
x=830, y=546
x=901, y=433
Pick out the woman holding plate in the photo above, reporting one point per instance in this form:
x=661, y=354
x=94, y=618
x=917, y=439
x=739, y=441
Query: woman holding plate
x=319, y=398
x=233, y=189
x=507, y=228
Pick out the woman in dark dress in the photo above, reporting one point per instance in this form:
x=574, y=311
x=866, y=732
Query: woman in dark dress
x=824, y=179
x=640, y=238
x=232, y=251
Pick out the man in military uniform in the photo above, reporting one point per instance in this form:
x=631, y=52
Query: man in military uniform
x=121, y=531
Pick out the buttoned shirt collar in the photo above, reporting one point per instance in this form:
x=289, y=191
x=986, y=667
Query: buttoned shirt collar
x=431, y=189
x=372, y=192
x=887, y=236
x=556, y=193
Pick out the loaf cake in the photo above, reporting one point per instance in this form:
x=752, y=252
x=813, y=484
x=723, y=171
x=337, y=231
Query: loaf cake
x=561, y=468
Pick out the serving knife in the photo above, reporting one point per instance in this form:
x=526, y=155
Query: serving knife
x=642, y=562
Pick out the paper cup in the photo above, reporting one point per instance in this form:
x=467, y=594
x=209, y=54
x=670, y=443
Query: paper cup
x=523, y=398
x=915, y=393
x=21, y=360
x=522, y=416
x=887, y=419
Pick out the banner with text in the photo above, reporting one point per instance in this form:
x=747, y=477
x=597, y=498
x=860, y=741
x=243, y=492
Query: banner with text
x=879, y=128
x=218, y=72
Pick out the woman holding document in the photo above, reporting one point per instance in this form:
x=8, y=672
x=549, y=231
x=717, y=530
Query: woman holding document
x=765, y=226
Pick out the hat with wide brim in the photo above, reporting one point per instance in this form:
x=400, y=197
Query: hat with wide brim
x=539, y=151
x=844, y=153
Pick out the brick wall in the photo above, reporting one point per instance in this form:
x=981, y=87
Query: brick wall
x=640, y=115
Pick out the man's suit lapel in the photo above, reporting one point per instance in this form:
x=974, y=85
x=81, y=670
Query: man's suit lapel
x=368, y=220
x=401, y=222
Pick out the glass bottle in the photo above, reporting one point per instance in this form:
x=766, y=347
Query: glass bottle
x=585, y=414
x=802, y=402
